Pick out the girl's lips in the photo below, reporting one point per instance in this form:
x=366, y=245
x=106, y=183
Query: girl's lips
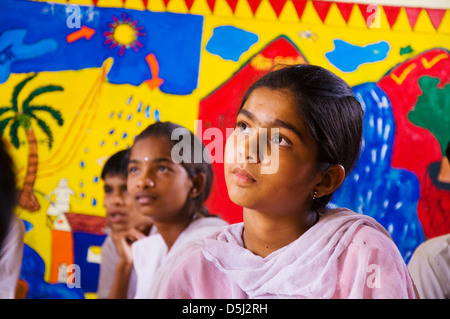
x=145, y=199
x=242, y=176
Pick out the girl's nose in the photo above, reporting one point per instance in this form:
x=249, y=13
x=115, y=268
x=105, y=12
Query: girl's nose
x=146, y=181
x=251, y=147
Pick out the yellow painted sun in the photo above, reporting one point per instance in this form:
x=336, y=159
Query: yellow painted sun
x=124, y=34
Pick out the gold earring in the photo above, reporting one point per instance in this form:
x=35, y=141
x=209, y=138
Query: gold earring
x=314, y=195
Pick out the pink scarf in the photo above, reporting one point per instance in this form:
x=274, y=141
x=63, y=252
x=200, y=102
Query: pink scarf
x=306, y=268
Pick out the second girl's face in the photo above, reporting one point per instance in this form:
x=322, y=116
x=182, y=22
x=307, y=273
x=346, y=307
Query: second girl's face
x=285, y=190
x=159, y=187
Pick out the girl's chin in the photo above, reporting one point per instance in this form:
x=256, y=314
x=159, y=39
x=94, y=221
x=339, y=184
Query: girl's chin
x=148, y=212
x=250, y=200
x=241, y=199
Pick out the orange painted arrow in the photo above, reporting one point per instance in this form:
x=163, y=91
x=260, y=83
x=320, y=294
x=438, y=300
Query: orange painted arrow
x=429, y=64
x=156, y=81
x=84, y=32
x=400, y=78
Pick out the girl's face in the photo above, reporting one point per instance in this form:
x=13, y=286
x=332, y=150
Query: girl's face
x=159, y=187
x=120, y=212
x=287, y=189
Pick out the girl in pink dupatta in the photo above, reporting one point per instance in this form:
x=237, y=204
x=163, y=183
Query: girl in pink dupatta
x=297, y=136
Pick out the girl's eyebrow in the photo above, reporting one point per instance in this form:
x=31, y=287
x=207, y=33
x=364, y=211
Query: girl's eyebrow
x=274, y=123
x=162, y=160
x=156, y=160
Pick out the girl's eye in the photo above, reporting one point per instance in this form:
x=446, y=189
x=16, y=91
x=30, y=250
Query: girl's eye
x=280, y=140
x=162, y=169
x=243, y=127
x=132, y=170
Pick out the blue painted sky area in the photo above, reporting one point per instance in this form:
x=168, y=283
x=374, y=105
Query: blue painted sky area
x=13, y=48
x=376, y=189
x=230, y=42
x=35, y=41
x=348, y=57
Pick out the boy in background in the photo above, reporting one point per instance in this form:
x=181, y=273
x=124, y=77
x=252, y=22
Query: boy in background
x=125, y=225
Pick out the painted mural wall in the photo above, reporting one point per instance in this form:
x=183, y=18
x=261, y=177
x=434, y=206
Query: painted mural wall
x=80, y=79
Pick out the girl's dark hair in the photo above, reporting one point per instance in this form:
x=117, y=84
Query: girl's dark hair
x=7, y=191
x=116, y=165
x=326, y=103
x=192, y=165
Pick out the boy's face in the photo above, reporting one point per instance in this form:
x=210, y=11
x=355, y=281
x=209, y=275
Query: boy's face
x=120, y=211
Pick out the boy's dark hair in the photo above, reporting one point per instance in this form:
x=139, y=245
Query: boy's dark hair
x=7, y=191
x=116, y=165
x=326, y=103
x=165, y=130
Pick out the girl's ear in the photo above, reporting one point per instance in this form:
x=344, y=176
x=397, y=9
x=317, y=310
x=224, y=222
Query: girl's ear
x=332, y=178
x=198, y=185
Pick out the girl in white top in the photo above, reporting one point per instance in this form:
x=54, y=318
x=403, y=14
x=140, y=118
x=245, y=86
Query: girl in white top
x=171, y=189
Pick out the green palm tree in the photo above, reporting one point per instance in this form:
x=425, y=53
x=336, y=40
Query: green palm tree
x=24, y=117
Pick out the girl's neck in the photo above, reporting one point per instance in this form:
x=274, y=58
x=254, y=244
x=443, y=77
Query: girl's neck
x=264, y=234
x=143, y=224
x=170, y=231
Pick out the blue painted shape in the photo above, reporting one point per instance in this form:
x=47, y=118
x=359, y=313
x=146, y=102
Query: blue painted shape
x=32, y=272
x=174, y=39
x=230, y=42
x=376, y=189
x=348, y=57
x=28, y=225
x=89, y=271
x=157, y=115
x=13, y=48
